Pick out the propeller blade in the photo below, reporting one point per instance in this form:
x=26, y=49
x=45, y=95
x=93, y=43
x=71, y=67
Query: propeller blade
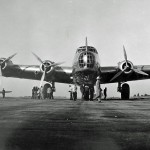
x=42, y=78
x=140, y=72
x=125, y=54
x=9, y=58
x=56, y=64
x=117, y=75
x=38, y=58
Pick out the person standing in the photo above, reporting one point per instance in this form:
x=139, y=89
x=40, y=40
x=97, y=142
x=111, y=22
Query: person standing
x=91, y=91
x=74, y=92
x=86, y=92
x=41, y=92
x=53, y=90
x=33, y=93
x=51, y=93
x=3, y=93
x=71, y=92
x=48, y=93
x=98, y=89
x=105, y=93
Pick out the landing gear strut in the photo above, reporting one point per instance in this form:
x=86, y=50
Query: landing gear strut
x=124, y=90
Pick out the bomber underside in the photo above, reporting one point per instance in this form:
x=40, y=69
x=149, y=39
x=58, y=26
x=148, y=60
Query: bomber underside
x=85, y=78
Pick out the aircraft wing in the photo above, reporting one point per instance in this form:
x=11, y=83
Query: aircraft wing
x=115, y=74
x=55, y=74
x=63, y=74
x=5, y=92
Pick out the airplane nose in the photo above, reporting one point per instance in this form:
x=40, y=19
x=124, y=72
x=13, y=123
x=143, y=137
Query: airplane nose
x=86, y=60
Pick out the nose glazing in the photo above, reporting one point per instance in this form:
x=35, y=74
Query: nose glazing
x=86, y=59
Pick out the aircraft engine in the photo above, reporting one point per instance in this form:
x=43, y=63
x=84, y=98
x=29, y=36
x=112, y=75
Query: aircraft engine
x=3, y=65
x=126, y=67
x=46, y=65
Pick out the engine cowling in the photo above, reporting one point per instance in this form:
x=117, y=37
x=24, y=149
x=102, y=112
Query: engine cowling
x=3, y=65
x=46, y=65
x=126, y=68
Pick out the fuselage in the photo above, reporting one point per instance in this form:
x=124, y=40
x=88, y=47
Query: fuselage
x=86, y=66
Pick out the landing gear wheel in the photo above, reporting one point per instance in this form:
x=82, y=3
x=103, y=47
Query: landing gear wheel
x=125, y=91
x=45, y=90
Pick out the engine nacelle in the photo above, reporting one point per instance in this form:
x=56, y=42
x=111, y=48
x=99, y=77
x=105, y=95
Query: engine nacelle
x=128, y=69
x=46, y=65
x=3, y=65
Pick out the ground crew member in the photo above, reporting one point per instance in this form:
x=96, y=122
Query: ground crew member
x=41, y=92
x=105, y=93
x=32, y=92
x=86, y=92
x=53, y=90
x=36, y=92
x=91, y=90
x=74, y=92
x=71, y=92
x=3, y=93
x=49, y=92
x=98, y=89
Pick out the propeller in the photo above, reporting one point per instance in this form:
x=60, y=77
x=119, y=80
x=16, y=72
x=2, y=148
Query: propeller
x=6, y=60
x=137, y=71
x=52, y=64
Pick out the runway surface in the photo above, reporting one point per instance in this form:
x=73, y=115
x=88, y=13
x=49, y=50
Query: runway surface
x=27, y=124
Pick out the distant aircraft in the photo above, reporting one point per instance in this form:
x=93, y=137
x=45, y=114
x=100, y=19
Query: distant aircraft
x=84, y=71
x=5, y=92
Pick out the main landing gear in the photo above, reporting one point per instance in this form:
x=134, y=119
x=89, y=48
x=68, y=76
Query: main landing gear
x=124, y=89
x=46, y=86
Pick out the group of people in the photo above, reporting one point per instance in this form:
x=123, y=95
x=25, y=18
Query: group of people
x=37, y=93
x=88, y=92
x=73, y=92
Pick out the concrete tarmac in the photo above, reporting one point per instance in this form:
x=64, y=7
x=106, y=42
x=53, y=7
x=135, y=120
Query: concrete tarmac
x=27, y=124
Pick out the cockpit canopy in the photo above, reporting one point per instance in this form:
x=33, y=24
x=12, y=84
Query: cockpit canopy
x=89, y=48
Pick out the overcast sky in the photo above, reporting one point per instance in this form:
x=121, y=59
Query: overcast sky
x=54, y=29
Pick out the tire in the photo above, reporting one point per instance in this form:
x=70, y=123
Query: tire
x=125, y=92
x=45, y=90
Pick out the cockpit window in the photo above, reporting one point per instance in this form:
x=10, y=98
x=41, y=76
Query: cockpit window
x=89, y=48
